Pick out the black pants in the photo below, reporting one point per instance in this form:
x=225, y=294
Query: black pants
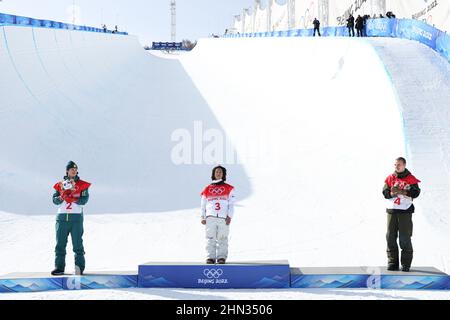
x=360, y=32
x=399, y=225
x=318, y=31
x=351, y=31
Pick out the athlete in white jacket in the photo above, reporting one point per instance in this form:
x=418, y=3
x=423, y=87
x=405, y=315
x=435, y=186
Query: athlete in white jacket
x=217, y=207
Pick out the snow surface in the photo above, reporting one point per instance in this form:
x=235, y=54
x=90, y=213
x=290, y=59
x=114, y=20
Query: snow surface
x=264, y=294
x=314, y=124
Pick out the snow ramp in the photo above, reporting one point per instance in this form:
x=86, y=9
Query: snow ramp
x=102, y=101
x=309, y=129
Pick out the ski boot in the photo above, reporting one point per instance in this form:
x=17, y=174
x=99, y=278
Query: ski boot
x=57, y=272
x=393, y=267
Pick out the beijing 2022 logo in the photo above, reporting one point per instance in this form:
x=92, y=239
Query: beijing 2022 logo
x=213, y=276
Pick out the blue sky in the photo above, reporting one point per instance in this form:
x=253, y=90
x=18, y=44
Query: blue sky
x=149, y=19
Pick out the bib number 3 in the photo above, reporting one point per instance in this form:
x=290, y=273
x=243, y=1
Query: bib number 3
x=218, y=206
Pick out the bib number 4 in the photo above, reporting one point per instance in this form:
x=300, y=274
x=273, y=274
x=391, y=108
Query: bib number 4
x=398, y=201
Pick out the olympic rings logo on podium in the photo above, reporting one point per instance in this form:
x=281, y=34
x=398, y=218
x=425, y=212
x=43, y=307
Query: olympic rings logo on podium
x=213, y=273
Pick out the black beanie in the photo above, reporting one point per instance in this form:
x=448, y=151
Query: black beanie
x=71, y=165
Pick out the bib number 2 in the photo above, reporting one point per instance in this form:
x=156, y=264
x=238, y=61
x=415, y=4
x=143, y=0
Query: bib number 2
x=69, y=206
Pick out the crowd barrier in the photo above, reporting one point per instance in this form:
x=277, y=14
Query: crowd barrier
x=12, y=20
x=395, y=28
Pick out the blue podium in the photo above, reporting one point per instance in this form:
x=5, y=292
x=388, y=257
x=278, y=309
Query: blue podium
x=245, y=275
x=37, y=282
x=419, y=278
x=28, y=282
x=101, y=280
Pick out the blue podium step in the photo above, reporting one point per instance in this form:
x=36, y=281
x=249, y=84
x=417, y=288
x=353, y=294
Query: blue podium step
x=37, y=282
x=244, y=275
x=419, y=278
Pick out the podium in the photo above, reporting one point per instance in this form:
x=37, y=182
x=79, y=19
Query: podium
x=37, y=282
x=243, y=275
x=419, y=278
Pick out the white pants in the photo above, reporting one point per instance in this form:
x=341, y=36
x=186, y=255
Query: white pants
x=217, y=233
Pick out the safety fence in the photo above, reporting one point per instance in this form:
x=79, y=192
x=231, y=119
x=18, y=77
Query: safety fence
x=395, y=28
x=12, y=20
